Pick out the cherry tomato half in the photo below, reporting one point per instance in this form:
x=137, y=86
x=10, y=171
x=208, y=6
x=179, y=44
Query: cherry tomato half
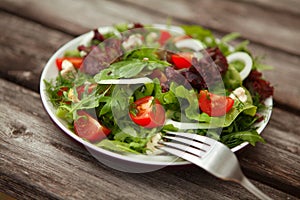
x=214, y=105
x=164, y=36
x=89, y=128
x=147, y=112
x=76, y=61
x=182, y=60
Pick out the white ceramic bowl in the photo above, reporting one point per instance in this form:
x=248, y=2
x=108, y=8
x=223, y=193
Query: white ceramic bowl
x=128, y=163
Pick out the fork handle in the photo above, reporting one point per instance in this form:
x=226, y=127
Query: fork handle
x=253, y=189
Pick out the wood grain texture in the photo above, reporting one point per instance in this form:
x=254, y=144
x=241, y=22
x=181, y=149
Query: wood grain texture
x=283, y=145
x=39, y=161
x=77, y=17
x=290, y=7
x=275, y=163
x=22, y=61
x=260, y=24
x=54, y=166
x=26, y=47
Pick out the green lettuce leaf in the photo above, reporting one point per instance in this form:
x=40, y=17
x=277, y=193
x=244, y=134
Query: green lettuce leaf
x=236, y=138
x=122, y=69
x=116, y=146
x=232, y=78
x=192, y=110
x=200, y=33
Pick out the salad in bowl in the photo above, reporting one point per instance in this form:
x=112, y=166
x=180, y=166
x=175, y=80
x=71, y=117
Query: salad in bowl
x=118, y=89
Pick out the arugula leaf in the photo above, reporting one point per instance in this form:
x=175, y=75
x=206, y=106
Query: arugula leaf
x=258, y=65
x=232, y=78
x=169, y=127
x=72, y=53
x=223, y=43
x=128, y=69
x=167, y=99
x=106, y=108
x=236, y=138
x=52, y=89
x=229, y=37
x=243, y=122
x=116, y=146
x=129, y=139
x=143, y=91
x=140, y=54
x=238, y=65
x=199, y=33
x=64, y=114
x=122, y=69
x=192, y=110
x=87, y=102
x=121, y=27
x=206, y=37
x=242, y=46
x=120, y=100
x=236, y=110
x=148, y=55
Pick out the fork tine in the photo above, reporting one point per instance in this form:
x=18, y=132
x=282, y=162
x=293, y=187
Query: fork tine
x=192, y=136
x=189, y=142
x=181, y=154
x=184, y=147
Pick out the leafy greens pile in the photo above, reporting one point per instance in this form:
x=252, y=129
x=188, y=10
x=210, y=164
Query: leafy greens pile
x=109, y=56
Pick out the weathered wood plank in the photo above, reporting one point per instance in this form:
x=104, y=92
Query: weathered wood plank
x=22, y=60
x=77, y=17
x=283, y=144
x=278, y=158
x=39, y=161
x=26, y=47
x=56, y=166
x=5, y=196
x=262, y=25
x=259, y=23
x=289, y=6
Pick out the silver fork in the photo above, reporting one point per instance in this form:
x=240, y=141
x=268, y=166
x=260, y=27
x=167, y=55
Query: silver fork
x=209, y=154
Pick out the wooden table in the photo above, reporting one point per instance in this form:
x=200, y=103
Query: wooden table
x=39, y=161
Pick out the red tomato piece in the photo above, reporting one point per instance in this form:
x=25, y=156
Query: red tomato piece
x=76, y=61
x=182, y=60
x=61, y=91
x=147, y=112
x=164, y=36
x=214, y=105
x=89, y=128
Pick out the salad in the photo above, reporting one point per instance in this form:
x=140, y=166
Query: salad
x=125, y=86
